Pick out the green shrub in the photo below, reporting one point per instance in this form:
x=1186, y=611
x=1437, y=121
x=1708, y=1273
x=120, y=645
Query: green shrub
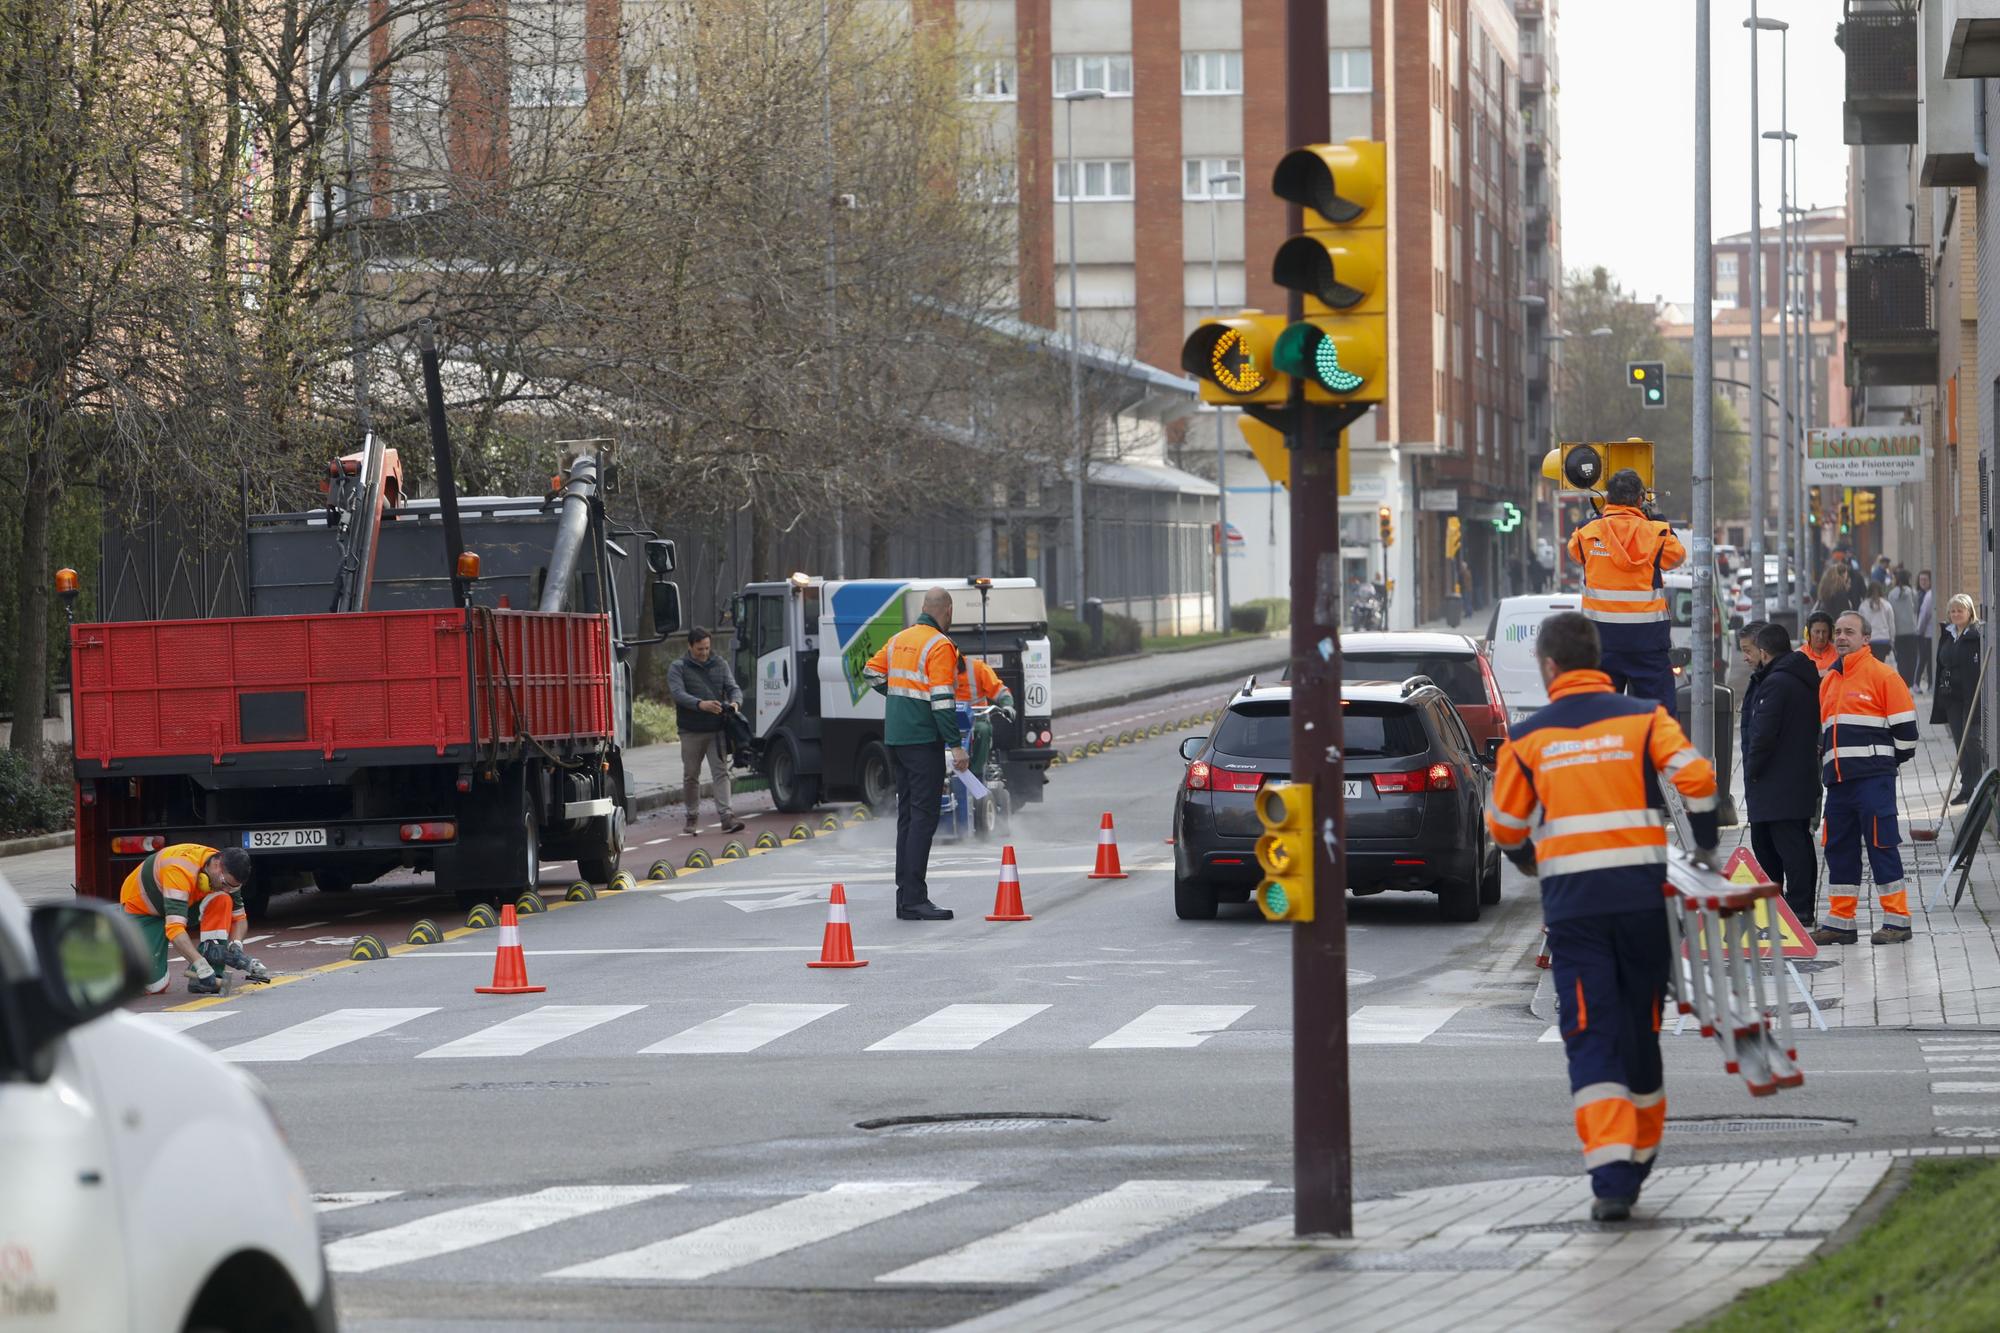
x=1249, y=618
x=653, y=721
x=1070, y=637
x=1278, y=612
x=34, y=797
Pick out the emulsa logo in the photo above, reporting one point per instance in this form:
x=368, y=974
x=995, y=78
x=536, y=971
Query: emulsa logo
x=1520, y=632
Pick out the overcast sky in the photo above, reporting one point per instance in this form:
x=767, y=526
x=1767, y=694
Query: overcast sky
x=1626, y=74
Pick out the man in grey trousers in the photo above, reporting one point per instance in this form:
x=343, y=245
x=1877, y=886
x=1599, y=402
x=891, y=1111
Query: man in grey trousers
x=703, y=688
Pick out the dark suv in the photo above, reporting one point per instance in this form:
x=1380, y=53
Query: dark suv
x=1415, y=792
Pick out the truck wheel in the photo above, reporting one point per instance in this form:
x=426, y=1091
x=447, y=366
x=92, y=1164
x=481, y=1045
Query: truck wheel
x=878, y=778
x=531, y=839
x=791, y=790
x=606, y=843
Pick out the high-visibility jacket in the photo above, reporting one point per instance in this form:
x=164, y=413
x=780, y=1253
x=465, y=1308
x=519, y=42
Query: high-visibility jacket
x=1622, y=553
x=1822, y=658
x=1590, y=764
x=992, y=690
x=170, y=882
x=1867, y=720
x=916, y=669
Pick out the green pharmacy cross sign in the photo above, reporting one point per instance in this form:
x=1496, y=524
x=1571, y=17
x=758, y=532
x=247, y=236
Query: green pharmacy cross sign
x=1510, y=517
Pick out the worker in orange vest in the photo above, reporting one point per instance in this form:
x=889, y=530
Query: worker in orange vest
x=916, y=670
x=980, y=684
x=166, y=887
x=1868, y=728
x=1623, y=552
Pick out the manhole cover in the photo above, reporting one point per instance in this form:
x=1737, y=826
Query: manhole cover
x=1427, y=1261
x=979, y=1122
x=1753, y=1124
x=1585, y=1225
x=554, y=1084
x=1726, y=1237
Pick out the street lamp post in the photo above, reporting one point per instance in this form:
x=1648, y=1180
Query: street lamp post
x=1701, y=692
x=1221, y=454
x=1792, y=429
x=1759, y=501
x=1070, y=99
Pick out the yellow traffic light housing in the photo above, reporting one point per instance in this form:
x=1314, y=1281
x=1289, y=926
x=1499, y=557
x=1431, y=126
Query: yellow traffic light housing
x=1385, y=519
x=1267, y=444
x=1864, y=506
x=1454, y=536
x=1285, y=852
x=1585, y=468
x=1231, y=356
x=1340, y=264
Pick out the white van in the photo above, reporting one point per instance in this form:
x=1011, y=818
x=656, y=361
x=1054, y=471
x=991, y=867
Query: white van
x=1510, y=640
x=143, y=1182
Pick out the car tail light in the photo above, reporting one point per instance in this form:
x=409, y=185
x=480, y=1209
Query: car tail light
x=1398, y=783
x=137, y=846
x=1222, y=779
x=1197, y=776
x=1442, y=778
x=437, y=830
x=1048, y=737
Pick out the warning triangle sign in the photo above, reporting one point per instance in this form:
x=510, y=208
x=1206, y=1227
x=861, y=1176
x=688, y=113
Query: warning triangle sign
x=1742, y=868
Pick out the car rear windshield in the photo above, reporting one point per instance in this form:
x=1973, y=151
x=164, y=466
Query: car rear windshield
x=1257, y=730
x=1456, y=674
x=1382, y=731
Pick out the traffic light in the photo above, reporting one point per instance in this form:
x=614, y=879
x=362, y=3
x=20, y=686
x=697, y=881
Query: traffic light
x=1340, y=262
x=1454, y=535
x=1818, y=515
x=1864, y=506
x=1231, y=357
x=1387, y=521
x=1267, y=444
x=1650, y=378
x=1585, y=468
x=1846, y=509
x=1285, y=851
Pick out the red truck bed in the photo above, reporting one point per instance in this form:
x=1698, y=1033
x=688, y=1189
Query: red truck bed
x=395, y=680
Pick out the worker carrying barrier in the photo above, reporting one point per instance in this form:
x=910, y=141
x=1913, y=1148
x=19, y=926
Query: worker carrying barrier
x=1718, y=975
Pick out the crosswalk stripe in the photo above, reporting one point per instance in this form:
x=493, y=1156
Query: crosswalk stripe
x=1963, y=1089
x=1395, y=1024
x=742, y=1029
x=1965, y=1069
x=958, y=1027
x=333, y=1203
x=481, y=1224
x=301, y=1040
x=530, y=1031
x=769, y=1232
x=1967, y=1109
x=1958, y=1050
x=1172, y=1026
x=173, y=1022
x=1088, y=1229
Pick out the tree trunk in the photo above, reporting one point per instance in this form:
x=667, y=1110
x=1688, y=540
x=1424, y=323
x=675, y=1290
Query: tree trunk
x=878, y=550
x=31, y=648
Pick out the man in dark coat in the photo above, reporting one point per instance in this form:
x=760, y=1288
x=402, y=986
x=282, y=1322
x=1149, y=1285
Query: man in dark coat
x=1781, y=766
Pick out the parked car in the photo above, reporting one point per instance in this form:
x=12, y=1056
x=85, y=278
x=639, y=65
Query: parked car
x=1415, y=787
x=1452, y=661
x=143, y=1182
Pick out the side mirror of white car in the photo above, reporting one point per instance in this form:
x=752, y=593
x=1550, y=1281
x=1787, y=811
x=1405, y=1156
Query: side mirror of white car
x=90, y=961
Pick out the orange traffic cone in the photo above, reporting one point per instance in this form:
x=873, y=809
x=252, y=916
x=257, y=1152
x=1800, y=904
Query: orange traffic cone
x=836, y=948
x=510, y=966
x=1542, y=954
x=1107, y=852
x=1007, y=899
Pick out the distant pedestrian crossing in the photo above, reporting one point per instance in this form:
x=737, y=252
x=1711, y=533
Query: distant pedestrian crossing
x=1965, y=1084
x=778, y=1028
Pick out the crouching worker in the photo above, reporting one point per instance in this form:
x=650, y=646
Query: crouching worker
x=187, y=881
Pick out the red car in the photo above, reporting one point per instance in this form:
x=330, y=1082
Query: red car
x=1452, y=660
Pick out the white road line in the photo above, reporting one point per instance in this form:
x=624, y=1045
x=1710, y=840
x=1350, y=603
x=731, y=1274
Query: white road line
x=1555, y=1033
x=302, y=1040
x=1958, y=1048
x=530, y=1031
x=1395, y=1024
x=487, y=954
x=1963, y=1089
x=481, y=1224
x=1172, y=1026
x=174, y=1022
x=333, y=1203
x=1968, y=1109
x=1085, y=1230
x=256, y=939
x=742, y=1029
x=769, y=1232
x=958, y=1027
x=1964, y=1069
x=654, y=842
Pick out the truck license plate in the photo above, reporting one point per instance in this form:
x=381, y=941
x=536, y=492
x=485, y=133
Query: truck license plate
x=272, y=839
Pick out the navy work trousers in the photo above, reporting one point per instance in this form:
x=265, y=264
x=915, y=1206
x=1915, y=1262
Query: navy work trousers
x=1611, y=981
x=919, y=797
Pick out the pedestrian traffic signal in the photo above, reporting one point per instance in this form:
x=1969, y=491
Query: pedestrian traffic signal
x=1340, y=264
x=1231, y=357
x=1650, y=378
x=1285, y=851
x=1864, y=506
x=1585, y=468
x=1386, y=518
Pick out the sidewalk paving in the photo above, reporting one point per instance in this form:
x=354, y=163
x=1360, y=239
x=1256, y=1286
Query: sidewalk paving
x=1500, y=1254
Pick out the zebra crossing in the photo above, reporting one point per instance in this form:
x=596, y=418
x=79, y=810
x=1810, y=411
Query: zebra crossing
x=638, y=1030
x=968, y=1232
x=1964, y=1070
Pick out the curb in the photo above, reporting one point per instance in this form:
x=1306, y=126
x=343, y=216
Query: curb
x=40, y=842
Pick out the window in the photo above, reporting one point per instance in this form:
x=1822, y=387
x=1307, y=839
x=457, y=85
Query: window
x=1725, y=268
x=1479, y=342
x=545, y=49
x=1196, y=171
x=1110, y=75
x=1349, y=70
x=990, y=81
x=1099, y=180
x=1208, y=73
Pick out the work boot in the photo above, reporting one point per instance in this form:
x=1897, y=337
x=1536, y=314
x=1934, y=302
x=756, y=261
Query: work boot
x=1891, y=935
x=924, y=911
x=1612, y=1208
x=1829, y=935
x=211, y=986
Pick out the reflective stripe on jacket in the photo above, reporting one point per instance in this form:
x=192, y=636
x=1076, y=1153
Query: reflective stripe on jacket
x=1589, y=765
x=916, y=669
x=169, y=883
x=1622, y=553
x=992, y=690
x=1867, y=719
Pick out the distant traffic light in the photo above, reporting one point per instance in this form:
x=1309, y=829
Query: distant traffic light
x=1650, y=378
x=1285, y=851
x=1585, y=468
x=1846, y=509
x=1231, y=357
x=1386, y=519
x=1864, y=506
x=1818, y=514
x=1454, y=535
x=1340, y=263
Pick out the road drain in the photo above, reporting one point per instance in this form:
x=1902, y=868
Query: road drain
x=979, y=1122
x=1753, y=1124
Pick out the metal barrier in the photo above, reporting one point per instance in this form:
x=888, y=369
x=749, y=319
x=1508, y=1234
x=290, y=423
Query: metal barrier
x=1719, y=978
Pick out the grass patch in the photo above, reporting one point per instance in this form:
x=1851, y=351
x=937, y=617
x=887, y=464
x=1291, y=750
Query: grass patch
x=1931, y=1262
x=1153, y=643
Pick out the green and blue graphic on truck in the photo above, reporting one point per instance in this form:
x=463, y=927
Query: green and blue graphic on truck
x=865, y=616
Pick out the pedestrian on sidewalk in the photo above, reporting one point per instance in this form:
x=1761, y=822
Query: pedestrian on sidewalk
x=1927, y=627
x=918, y=669
x=1904, y=601
x=1781, y=782
x=1835, y=591
x=1957, y=701
x=1590, y=764
x=1868, y=728
x=1881, y=620
x=703, y=689
x=1819, y=641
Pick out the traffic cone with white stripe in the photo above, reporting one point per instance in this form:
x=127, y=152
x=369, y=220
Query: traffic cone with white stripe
x=1107, y=852
x=836, y=948
x=1542, y=954
x=510, y=965
x=1007, y=899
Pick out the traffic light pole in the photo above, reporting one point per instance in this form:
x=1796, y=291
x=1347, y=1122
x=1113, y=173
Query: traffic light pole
x=1322, y=1139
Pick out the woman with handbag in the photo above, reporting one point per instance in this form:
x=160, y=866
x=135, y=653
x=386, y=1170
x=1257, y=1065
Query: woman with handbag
x=1957, y=685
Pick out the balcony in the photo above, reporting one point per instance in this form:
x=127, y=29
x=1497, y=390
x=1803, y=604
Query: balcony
x=1879, y=38
x=1533, y=72
x=1948, y=150
x=1972, y=39
x=1536, y=231
x=1892, y=335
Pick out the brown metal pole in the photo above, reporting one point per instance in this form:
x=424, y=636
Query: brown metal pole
x=1322, y=1151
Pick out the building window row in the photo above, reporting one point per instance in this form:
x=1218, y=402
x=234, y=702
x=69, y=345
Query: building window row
x=990, y=81
x=1203, y=74
x=1110, y=75
x=1198, y=172
x=1098, y=180
x=1208, y=73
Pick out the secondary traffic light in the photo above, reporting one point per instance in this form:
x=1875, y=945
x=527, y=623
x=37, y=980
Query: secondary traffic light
x=1454, y=536
x=1586, y=468
x=1386, y=519
x=1231, y=356
x=1818, y=515
x=1285, y=851
x=1650, y=378
x=1340, y=263
x=1864, y=506
x=1846, y=508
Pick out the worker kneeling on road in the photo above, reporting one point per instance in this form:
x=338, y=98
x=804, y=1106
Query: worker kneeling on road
x=1623, y=552
x=980, y=684
x=167, y=886
x=1591, y=762
x=1867, y=728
